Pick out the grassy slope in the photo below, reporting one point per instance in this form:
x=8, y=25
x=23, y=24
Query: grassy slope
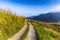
x=9, y=24
x=43, y=33
x=55, y=27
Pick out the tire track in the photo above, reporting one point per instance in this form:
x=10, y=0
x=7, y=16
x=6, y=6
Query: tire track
x=31, y=34
x=18, y=35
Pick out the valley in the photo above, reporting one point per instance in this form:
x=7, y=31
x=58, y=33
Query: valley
x=13, y=27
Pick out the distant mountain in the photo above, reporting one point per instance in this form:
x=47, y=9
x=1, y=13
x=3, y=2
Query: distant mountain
x=48, y=17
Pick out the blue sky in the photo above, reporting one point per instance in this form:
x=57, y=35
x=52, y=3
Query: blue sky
x=30, y=7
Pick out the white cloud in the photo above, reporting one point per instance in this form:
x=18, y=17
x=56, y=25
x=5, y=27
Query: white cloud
x=21, y=9
x=27, y=10
x=56, y=8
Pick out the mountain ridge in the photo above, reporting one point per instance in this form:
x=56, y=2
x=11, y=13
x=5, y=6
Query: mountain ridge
x=48, y=17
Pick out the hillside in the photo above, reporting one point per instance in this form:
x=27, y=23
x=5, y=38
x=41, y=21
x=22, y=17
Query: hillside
x=46, y=31
x=13, y=27
x=9, y=24
x=48, y=17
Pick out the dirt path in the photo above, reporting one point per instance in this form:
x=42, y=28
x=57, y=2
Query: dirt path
x=31, y=34
x=18, y=35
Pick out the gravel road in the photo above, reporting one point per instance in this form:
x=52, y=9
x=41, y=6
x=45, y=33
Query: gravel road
x=31, y=34
x=18, y=35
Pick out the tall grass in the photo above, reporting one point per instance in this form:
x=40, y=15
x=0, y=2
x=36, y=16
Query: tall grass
x=55, y=27
x=9, y=24
x=43, y=34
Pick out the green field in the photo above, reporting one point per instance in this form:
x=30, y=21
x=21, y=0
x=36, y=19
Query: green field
x=10, y=24
x=43, y=33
